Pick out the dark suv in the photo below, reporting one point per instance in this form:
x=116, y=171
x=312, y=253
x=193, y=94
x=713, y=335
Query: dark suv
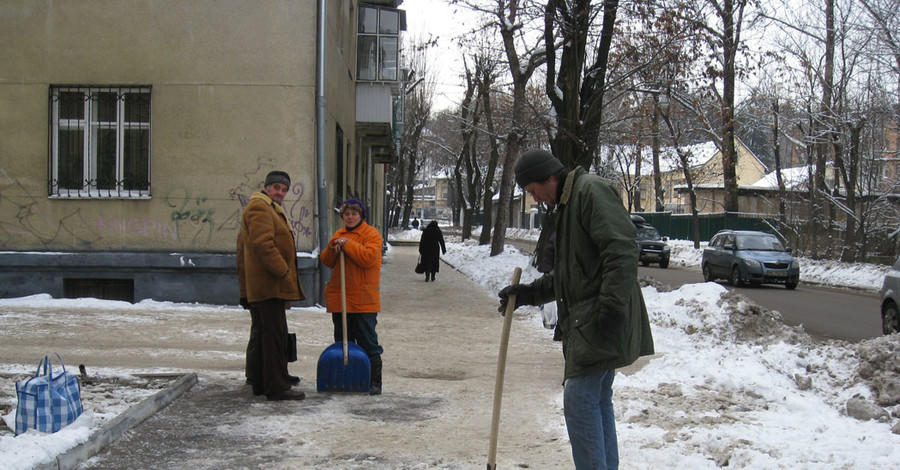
x=653, y=247
x=749, y=256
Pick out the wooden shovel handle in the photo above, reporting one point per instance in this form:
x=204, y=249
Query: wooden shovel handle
x=344, y=310
x=501, y=371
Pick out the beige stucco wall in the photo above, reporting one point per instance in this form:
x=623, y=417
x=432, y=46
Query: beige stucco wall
x=233, y=97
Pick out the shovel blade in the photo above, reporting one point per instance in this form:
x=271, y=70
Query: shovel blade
x=333, y=376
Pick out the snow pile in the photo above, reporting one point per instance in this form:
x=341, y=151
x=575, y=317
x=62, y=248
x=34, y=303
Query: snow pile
x=879, y=367
x=105, y=395
x=733, y=385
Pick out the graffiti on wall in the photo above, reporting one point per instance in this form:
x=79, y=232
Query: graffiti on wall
x=137, y=227
x=300, y=215
x=193, y=215
x=21, y=217
x=193, y=219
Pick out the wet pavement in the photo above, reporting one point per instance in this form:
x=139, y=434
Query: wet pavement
x=441, y=343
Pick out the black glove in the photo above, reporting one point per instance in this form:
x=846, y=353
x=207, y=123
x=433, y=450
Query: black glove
x=243, y=303
x=524, y=296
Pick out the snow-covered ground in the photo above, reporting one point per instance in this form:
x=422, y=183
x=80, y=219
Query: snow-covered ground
x=731, y=385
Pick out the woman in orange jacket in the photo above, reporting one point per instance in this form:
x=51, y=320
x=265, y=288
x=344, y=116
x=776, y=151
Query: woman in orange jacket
x=361, y=244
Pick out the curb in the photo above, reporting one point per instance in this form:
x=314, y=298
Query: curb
x=120, y=424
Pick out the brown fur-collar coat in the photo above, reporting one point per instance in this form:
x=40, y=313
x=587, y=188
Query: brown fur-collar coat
x=266, y=255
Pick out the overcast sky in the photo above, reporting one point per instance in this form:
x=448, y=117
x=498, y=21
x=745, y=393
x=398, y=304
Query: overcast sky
x=436, y=18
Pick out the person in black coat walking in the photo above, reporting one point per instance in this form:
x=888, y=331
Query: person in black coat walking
x=432, y=239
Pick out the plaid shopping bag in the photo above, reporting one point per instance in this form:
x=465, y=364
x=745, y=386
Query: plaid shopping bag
x=48, y=401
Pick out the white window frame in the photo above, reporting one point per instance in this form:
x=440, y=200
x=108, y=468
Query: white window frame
x=386, y=44
x=89, y=124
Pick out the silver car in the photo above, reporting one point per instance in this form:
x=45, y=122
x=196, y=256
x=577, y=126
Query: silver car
x=890, y=298
x=742, y=256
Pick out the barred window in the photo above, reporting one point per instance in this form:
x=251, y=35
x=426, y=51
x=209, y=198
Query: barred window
x=100, y=142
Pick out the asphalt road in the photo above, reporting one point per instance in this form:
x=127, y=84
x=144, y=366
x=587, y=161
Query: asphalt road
x=823, y=312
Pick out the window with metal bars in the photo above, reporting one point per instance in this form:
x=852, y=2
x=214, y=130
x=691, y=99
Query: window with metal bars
x=100, y=142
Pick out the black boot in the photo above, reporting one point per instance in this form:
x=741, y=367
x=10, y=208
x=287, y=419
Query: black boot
x=432, y=277
x=375, y=387
x=426, y=277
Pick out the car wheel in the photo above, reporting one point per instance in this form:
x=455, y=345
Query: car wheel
x=707, y=274
x=664, y=263
x=790, y=285
x=890, y=318
x=735, y=279
x=645, y=263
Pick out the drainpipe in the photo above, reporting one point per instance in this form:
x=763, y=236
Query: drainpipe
x=370, y=178
x=321, y=165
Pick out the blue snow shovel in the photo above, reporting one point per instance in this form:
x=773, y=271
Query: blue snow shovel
x=344, y=366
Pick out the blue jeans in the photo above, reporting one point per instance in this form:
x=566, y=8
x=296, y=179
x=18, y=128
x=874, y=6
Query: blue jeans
x=590, y=421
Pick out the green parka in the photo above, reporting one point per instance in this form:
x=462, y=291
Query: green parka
x=601, y=310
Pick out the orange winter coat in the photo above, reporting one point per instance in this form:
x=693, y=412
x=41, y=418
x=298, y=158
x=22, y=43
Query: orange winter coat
x=266, y=255
x=362, y=258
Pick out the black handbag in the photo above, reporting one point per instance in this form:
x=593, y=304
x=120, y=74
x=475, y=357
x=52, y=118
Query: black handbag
x=420, y=268
x=292, y=347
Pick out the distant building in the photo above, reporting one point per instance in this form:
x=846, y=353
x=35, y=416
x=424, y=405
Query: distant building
x=431, y=199
x=705, y=162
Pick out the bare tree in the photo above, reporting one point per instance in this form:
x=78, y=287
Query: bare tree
x=486, y=80
x=467, y=171
x=418, y=96
x=575, y=81
x=722, y=23
x=515, y=21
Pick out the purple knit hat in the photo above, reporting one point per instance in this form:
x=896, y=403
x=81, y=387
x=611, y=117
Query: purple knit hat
x=350, y=203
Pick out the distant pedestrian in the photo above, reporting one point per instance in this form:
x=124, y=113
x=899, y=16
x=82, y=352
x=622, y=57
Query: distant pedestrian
x=431, y=246
x=361, y=244
x=601, y=310
x=415, y=223
x=267, y=267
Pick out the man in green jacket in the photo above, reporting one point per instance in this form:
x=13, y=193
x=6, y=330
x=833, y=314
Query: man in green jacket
x=602, y=315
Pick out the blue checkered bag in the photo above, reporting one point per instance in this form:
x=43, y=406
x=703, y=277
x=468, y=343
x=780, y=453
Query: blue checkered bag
x=48, y=401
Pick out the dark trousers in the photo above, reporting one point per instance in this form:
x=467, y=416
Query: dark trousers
x=360, y=330
x=270, y=373
x=253, y=343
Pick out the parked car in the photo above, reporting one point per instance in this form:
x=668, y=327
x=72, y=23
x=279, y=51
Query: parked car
x=745, y=256
x=654, y=248
x=890, y=298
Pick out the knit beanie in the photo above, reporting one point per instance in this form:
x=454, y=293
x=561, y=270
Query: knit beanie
x=354, y=203
x=278, y=177
x=536, y=165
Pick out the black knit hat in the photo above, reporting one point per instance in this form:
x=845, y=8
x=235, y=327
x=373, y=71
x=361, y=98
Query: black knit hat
x=536, y=165
x=278, y=177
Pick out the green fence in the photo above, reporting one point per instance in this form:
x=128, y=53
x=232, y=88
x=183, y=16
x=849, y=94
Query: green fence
x=678, y=226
